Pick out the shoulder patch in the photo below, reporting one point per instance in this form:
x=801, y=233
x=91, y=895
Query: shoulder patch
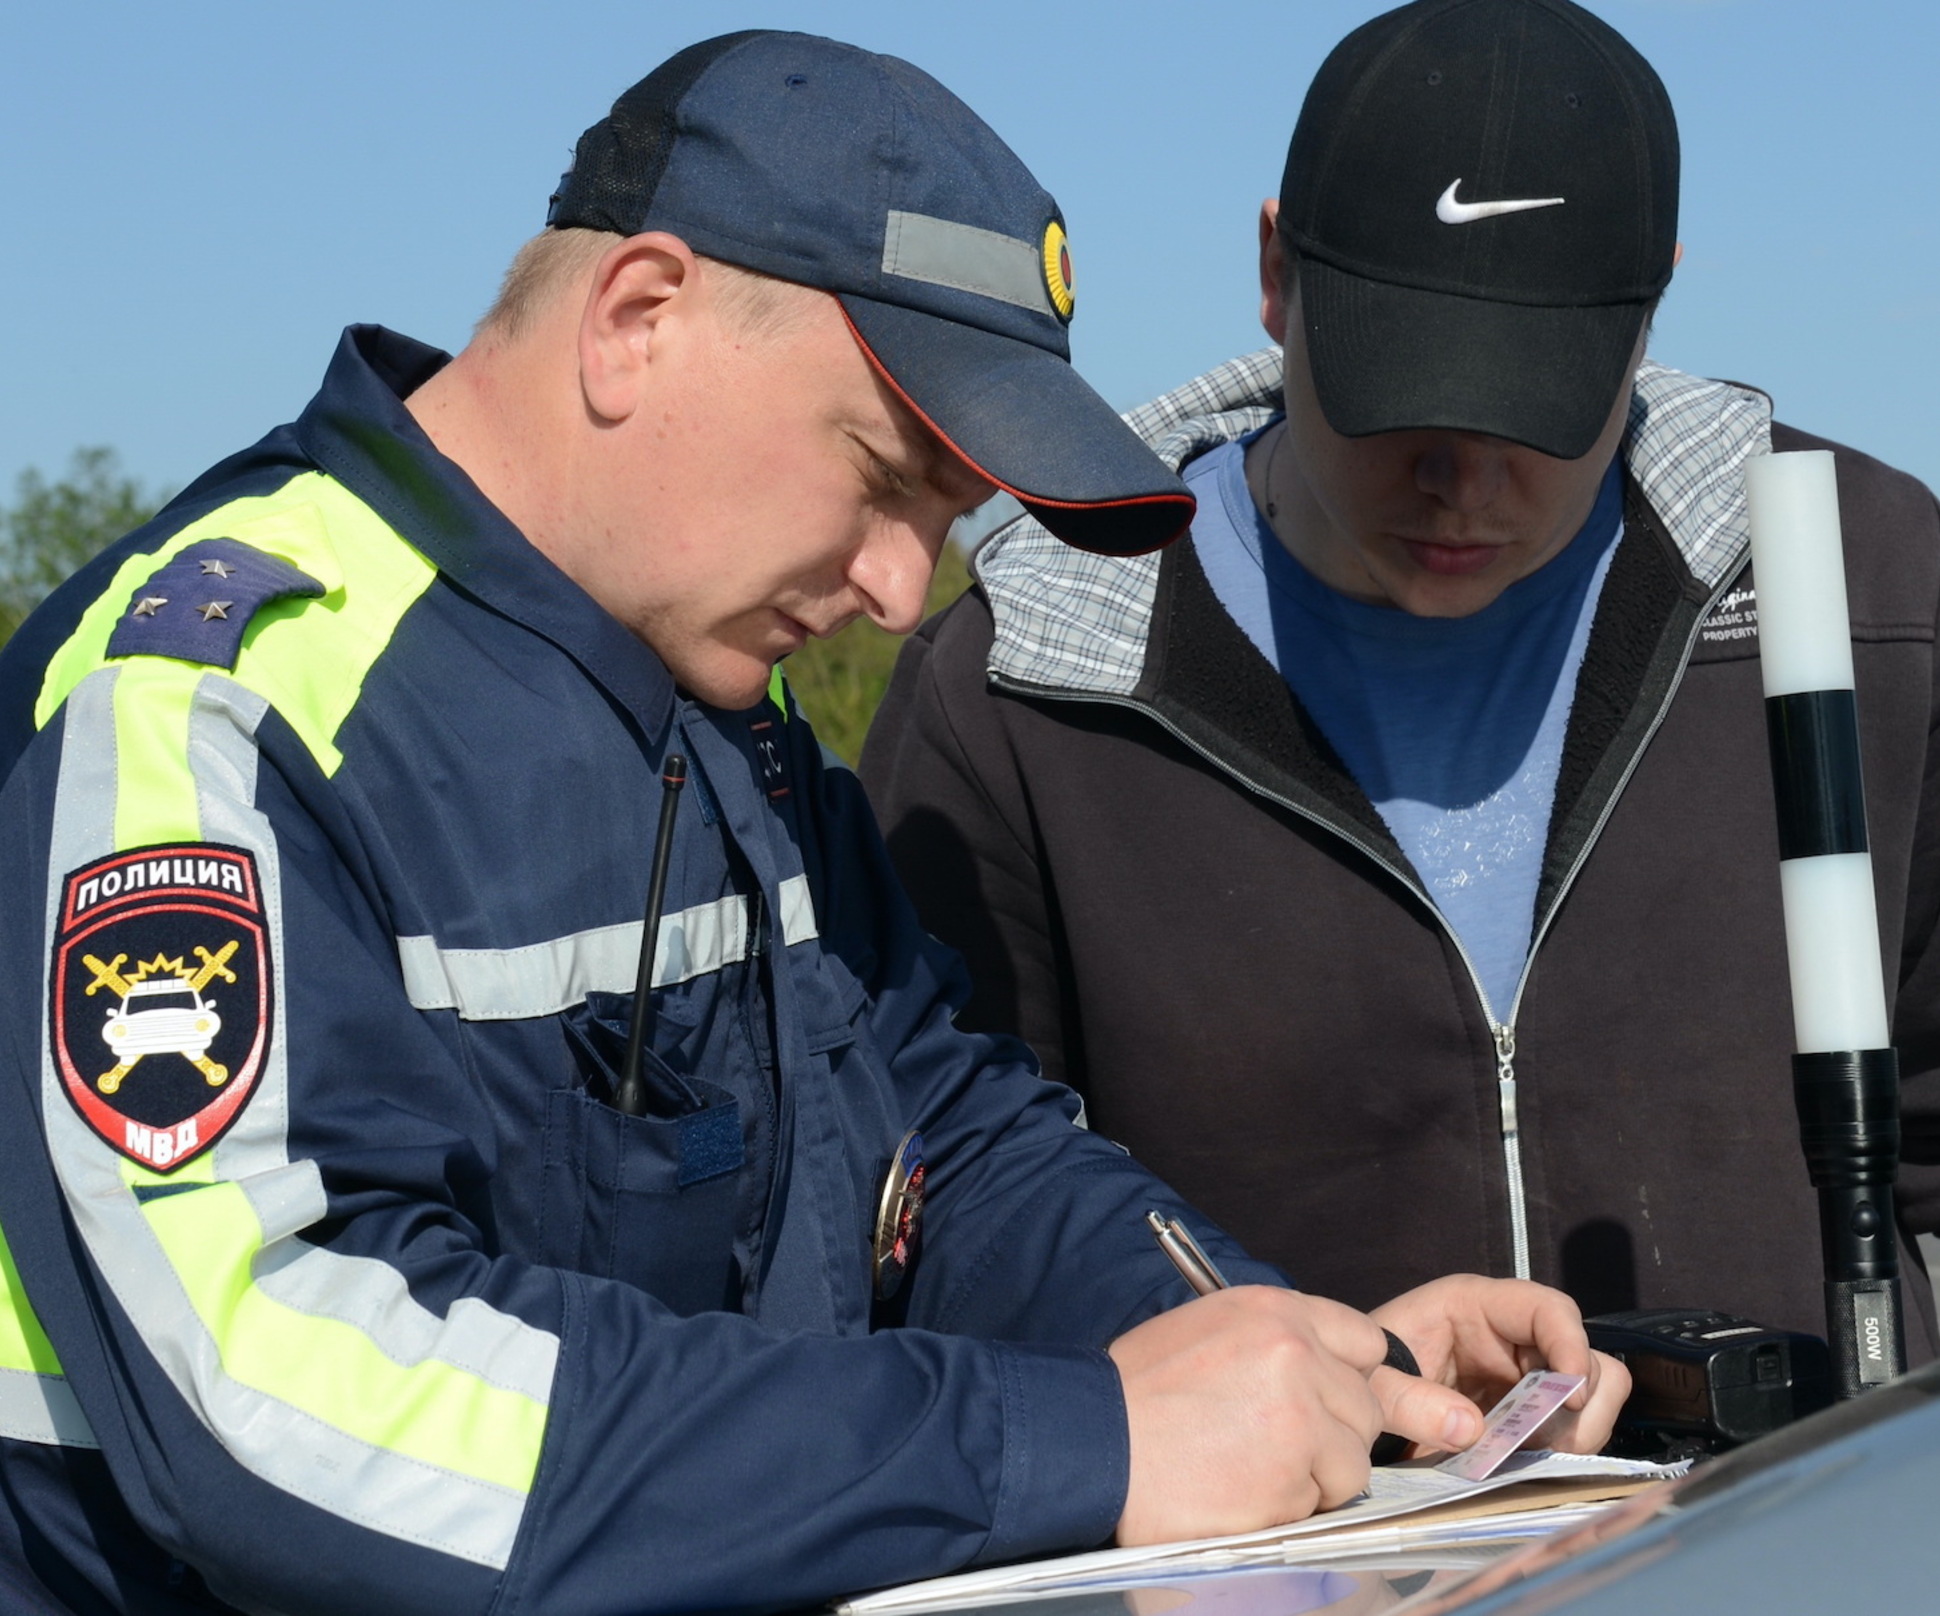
x=160, y=992
x=196, y=606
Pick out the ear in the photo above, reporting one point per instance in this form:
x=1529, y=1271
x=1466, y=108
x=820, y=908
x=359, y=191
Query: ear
x=1273, y=272
x=1677, y=255
x=641, y=292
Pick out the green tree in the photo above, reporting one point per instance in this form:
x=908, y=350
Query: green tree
x=53, y=527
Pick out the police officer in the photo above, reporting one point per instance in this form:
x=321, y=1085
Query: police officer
x=338, y=1279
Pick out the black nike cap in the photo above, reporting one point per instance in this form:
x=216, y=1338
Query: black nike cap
x=1483, y=198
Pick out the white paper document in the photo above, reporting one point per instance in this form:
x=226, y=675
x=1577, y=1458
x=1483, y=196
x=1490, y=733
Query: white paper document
x=1393, y=1491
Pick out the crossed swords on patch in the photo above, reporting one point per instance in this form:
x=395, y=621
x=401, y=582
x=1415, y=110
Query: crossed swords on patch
x=167, y=1030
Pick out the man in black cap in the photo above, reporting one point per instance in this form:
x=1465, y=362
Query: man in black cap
x=370, y=1244
x=1391, y=865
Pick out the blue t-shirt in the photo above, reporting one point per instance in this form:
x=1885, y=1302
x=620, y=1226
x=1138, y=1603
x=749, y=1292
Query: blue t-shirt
x=1453, y=726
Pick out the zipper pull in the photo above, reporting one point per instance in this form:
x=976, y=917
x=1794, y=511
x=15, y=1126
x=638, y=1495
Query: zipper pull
x=757, y=924
x=1505, y=1074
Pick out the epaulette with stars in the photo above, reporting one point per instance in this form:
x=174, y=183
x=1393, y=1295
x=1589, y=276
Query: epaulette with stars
x=196, y=606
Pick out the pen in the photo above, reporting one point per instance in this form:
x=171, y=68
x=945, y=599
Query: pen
x=1198, y=1270
x=1203, y=1275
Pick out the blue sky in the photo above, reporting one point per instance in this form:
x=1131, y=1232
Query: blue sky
x=201, y=194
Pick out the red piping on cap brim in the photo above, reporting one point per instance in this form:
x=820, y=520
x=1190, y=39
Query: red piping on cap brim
x=1018, y=494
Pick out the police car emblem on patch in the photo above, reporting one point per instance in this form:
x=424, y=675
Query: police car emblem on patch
x=1057, y=271
x=161, y=997
x=899, y=1218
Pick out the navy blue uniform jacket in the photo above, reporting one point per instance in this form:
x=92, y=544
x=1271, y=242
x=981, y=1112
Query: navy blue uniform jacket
x=334, y=1283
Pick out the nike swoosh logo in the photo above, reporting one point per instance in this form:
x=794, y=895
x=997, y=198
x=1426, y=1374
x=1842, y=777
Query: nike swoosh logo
x=1449, y=211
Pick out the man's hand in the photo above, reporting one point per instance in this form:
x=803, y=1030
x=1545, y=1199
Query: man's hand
x=1248, y=1408
x=1253, y=1407
x=1479, y=1337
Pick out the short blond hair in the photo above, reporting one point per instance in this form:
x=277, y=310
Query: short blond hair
x=553, y=260
x=540, y=271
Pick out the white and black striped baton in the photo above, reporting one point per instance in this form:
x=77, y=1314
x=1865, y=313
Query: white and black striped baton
x=1845, y=1076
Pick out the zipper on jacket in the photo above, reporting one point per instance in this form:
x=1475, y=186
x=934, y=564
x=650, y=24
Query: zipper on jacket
x=1503, y=1032
x=1505, y=1089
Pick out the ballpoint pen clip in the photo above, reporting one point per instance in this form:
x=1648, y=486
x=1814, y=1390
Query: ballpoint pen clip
x=1188, y=1256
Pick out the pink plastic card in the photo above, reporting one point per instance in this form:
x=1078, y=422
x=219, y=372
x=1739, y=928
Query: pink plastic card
x=1512, y=1422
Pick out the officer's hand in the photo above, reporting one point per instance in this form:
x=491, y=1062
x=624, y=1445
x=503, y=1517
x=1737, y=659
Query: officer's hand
x=1248, y=1408
x=1479, y=1337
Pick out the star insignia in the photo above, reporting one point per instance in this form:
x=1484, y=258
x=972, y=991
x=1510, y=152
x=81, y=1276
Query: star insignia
x=218, y=569
x=148, y=605
x=216, y=608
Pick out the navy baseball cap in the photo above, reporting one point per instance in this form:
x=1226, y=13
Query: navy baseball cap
x=832, y=167
x=1483, y=198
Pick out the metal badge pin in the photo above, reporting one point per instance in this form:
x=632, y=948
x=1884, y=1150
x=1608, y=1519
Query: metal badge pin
x=899, y=1218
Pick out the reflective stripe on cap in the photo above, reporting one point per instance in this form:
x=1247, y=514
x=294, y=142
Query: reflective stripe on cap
x=941, y=252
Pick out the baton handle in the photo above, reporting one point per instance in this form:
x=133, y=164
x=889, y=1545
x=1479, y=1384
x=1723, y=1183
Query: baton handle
x=1849, y=1128
x=1868, y=1345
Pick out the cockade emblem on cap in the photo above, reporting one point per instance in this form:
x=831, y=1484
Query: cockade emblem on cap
x=1057, y=271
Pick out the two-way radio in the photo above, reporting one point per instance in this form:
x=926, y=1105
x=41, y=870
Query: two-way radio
x=630, y=1093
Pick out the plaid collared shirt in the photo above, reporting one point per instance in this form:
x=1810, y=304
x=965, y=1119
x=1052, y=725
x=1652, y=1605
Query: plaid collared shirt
x=1072, y=620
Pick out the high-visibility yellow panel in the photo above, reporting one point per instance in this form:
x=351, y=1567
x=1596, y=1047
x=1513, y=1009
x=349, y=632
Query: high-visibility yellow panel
x=23, y=1343
x=307, y=657
x=428, y=1411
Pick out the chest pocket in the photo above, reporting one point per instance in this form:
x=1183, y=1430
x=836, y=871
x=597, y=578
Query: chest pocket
x=651, y=1200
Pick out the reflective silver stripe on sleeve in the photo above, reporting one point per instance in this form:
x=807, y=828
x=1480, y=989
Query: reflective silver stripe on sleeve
x=298, y=1452
x=42, y=1408
x=542, y=979
x=372, y=1297
x=941, y=252
x=222, y=749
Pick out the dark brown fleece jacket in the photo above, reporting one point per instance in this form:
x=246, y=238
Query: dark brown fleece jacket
x=1179, y=897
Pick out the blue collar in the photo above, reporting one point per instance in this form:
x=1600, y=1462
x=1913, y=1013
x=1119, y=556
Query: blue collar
x=358, y=430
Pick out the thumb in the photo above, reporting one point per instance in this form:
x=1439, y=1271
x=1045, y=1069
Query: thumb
x=1428, y=1414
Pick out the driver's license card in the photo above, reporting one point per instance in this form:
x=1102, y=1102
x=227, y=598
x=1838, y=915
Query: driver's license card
x=1512, y=1422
